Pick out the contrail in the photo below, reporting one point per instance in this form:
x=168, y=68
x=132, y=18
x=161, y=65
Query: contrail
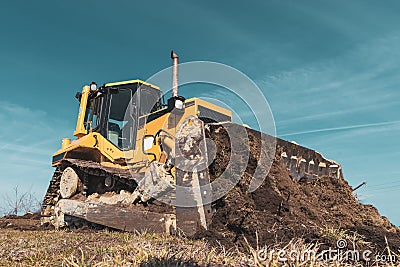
x=342, y=128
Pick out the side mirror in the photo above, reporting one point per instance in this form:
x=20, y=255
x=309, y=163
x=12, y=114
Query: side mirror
x=78, y=96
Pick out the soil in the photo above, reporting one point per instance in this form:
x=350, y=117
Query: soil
x=282, y=209
x=30, y=221
x=322, y=210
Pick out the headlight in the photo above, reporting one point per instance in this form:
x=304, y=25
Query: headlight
x=178, y=104
x=93, y=86
x=148, y=142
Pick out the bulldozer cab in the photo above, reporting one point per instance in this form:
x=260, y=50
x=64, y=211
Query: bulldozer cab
x=129, y=123
x=114, y=110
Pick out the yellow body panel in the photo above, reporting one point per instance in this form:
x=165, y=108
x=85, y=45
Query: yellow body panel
x=110, y=155
x=170, y=122
x=80, y=126
x=94, y=141
x=201, y=102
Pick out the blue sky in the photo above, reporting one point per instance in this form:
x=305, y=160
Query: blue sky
x=329, y=69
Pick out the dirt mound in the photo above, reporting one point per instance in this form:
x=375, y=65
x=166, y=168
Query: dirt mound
x=321, y=210
x=29, y=221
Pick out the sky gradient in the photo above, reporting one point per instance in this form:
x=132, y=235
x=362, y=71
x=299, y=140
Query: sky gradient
x=329, y=69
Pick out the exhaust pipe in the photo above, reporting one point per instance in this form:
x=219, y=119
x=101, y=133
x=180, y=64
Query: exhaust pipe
x=175, y=59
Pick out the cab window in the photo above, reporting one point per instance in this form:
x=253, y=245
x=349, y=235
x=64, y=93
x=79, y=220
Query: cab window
x=150, y=100
x=121, y=120
x=92, y=114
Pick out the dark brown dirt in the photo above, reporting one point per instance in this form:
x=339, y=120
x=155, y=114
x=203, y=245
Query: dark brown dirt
x=30, y=221
x=282, y=209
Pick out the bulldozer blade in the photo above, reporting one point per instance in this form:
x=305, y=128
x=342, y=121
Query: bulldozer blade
x=193, y=188
x=126, y=219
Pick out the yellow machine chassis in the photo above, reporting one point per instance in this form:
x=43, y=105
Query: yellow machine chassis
x=93, y=142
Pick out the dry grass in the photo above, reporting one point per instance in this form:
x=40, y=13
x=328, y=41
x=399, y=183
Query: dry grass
x=335, y=234
x=106, y=248
x=299, y=253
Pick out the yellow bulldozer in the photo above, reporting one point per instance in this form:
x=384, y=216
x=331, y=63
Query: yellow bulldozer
x=121, y=170
x=141, y=164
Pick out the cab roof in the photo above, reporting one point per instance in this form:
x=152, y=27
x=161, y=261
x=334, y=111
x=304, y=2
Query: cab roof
x=131, y=82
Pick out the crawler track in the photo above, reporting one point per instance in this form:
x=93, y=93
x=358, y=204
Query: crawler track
x=92, y=175
x=53, y=192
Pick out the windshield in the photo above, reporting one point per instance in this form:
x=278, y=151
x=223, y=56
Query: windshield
x=121, y=127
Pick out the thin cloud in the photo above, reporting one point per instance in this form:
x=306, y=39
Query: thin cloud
x=342, y=128
x=31, y=149
x=331, y=115
x=27, y=140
